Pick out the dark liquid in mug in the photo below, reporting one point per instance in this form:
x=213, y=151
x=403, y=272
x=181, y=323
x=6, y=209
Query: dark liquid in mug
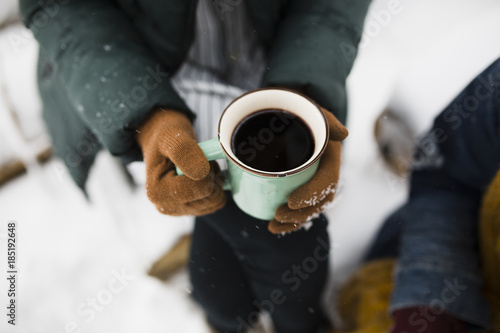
x=272, y=140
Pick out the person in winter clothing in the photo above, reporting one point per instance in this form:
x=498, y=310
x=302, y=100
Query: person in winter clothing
x=446, y=246
x=438, y=265
x=145, y=79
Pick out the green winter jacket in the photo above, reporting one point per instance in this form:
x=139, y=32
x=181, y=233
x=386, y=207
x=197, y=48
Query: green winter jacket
x=104, y=64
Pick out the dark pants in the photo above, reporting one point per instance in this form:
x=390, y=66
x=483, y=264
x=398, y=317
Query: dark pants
x=238, y=269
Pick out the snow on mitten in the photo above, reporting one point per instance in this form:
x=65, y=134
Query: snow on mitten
x=309, y=200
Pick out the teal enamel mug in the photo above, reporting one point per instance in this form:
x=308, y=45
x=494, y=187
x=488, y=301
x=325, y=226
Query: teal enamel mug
x=259, y=192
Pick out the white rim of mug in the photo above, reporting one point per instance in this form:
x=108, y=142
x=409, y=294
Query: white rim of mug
x=285, y=172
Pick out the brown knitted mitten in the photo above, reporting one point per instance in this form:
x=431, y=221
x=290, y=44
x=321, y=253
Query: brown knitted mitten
x=309, y=200
x=167, y=140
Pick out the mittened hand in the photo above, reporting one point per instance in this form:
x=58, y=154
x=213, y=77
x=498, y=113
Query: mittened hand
x=167, y=140
x=309, y=200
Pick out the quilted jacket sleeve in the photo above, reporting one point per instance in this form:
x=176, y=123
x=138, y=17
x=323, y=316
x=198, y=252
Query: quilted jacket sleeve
x=314, y=49
x=109, y=75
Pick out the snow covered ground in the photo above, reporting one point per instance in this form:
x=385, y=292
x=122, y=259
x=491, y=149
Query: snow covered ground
x=82, y=265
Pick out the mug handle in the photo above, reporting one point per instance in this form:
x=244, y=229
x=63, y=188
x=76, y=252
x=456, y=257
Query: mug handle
x=213, y=151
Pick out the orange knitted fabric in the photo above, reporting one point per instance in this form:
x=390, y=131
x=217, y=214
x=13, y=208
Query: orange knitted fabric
x=167, y=140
